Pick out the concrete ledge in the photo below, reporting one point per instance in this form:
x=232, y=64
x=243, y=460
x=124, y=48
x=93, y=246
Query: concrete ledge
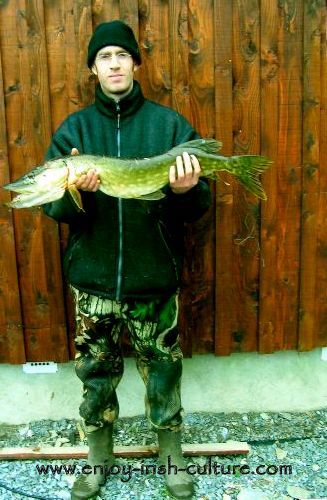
x=283, y=381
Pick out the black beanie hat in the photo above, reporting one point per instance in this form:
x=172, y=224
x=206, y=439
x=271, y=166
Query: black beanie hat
x=113, y=33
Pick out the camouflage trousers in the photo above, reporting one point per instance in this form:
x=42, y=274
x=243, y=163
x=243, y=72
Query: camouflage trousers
x=154, y=337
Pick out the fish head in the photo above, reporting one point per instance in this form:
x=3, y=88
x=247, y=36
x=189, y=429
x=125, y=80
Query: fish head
x=42, y=178
x=53, y=172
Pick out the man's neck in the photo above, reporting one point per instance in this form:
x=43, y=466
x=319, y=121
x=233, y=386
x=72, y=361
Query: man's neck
x=117, y=96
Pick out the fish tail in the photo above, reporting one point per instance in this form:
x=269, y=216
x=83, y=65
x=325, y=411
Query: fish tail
x=247, y=170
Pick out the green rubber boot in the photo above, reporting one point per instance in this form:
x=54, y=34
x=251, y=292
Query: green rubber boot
x=178, y=482
x=100, y=453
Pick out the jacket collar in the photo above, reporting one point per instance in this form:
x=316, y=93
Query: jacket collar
x=128, y=105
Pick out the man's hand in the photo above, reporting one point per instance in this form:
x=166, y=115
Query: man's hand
x=89, y=181
x=185, y=174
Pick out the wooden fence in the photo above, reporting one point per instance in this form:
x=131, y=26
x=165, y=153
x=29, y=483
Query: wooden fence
x=252, y=73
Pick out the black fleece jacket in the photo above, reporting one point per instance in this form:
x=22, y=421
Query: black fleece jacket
x=122, y=248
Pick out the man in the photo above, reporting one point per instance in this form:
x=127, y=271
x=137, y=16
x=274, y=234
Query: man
x=124, y=257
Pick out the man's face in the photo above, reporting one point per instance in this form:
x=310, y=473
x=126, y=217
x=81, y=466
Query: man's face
x=115, y=68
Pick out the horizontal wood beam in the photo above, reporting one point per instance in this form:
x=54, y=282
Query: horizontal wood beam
x=80, y=452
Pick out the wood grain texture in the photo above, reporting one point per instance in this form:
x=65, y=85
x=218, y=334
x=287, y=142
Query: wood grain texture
x=25, y=75
x=155, y=76
x=180, y=78
x=252, y=74
x=66, y=452
x=200, y=241
x=11, y=328
x=269, y=98
x=103, y=11
x=246, y=132
x=289, y=165
x=313, y=34
x=321, y=299
x=225, y=304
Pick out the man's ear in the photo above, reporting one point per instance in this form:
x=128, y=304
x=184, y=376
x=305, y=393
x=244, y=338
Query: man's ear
x=94, y=70
x=136, y=67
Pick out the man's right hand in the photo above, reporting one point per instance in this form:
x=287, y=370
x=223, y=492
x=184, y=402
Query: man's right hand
x=87, y=182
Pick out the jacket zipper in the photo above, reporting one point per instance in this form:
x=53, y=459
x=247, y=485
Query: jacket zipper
x=120, y=219
x=170, y=253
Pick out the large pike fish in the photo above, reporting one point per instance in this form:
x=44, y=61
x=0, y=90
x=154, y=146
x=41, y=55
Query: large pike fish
x=132, y=178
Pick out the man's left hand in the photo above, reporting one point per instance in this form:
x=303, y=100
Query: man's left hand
x=185, y=174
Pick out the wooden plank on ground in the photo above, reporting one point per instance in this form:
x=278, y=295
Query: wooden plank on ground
x=78, y=452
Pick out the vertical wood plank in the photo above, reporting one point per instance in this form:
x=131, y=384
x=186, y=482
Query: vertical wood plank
x=246, y=127
x=269, y=135
x=155, y=77
x=57, y=37
x=80, y=24
x=311, y=140
x=321, y=283
x=68, y=27
x=12, y=348
x=103, y=11
x=179, y=56
x=225, y=304
x=203, y=59
x=27, y=116
x=289, y=147
x=62, y=101
x=200, y=237
x=201, y=71
x=321, y=255
x=129, y=14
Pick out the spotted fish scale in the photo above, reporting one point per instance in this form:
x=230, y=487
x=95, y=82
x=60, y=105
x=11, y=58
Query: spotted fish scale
x=132, y=178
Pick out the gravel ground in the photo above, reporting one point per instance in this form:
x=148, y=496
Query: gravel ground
x=290, y=448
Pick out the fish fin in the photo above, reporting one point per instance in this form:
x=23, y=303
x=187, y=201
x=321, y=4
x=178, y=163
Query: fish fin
x=210, y=146
x=247, y=170
x=76, y=197
x=207, y=145
x=156, y=195
x=213, y=175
